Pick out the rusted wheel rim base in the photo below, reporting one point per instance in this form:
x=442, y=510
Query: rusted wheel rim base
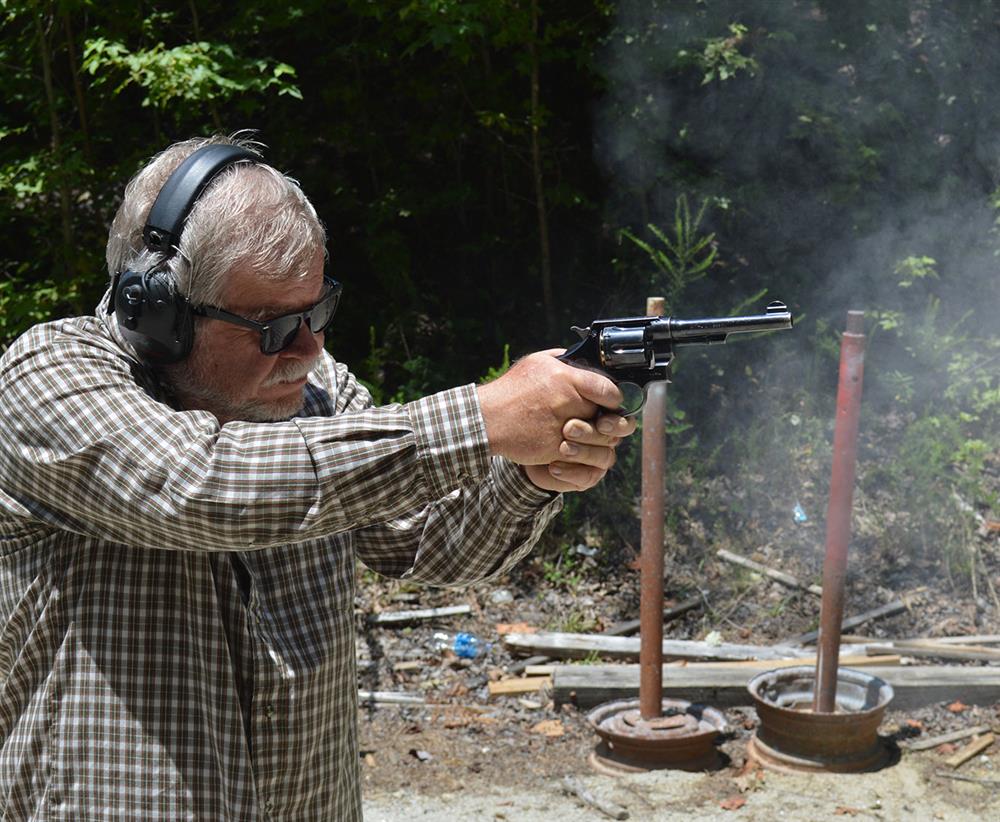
x=682, y=737
x=605, y=760
x=880, y=756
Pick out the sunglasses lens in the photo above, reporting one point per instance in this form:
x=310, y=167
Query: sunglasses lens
x=323, y=313
x=280, y=333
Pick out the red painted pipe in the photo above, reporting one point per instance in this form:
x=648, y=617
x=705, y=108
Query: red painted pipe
x=838, y=515
x=654, y=455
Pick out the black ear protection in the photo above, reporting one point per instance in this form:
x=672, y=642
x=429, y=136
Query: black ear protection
x=156, y=320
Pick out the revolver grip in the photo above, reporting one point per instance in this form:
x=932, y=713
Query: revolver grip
x=633, y=382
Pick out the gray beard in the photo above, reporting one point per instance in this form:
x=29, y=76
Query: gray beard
x=184, y=384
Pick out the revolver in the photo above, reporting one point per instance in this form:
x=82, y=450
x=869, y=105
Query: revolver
x=637, y=351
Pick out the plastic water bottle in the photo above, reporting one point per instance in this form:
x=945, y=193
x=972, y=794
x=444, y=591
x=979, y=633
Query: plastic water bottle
x=799, y=513
x=464, y=645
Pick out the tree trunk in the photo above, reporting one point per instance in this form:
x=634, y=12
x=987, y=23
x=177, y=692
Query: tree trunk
x=536, y=162
x=81, y=101
x=55, y=142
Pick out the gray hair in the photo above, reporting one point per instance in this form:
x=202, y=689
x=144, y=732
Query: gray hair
x=250, y=215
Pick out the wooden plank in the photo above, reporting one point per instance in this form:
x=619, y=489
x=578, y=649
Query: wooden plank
x=619, y=629
x=391, y=698
x=505, y=687
x=848, y=661
x=725, y=686
x=777, y=576
x=972, y=639
x=940, y=739
x=974, y=748
x=927, y=650
x=400, y=617
x=883, y=611
x=579, y=646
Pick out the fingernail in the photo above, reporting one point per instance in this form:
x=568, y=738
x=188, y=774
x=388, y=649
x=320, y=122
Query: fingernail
x=555, y=470
x=605, y=426
x=570, y=450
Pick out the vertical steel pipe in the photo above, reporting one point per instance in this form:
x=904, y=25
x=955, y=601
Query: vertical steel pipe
x=654, y=453
x=838, y=515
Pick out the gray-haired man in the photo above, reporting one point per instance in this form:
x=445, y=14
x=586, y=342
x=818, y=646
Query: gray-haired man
x=179, y=532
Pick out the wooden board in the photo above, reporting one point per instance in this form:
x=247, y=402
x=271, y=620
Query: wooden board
x=725, y=686
x=505, y=687
x=579, y=646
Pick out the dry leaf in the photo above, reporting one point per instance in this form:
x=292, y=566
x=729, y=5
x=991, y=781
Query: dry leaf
x=750, y=777
x=946, y=748
x=734, y=803
x=843, y=810
x=915, y=723
x=958, y=706
x=549, y=727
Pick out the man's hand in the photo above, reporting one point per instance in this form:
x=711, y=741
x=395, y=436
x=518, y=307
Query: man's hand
x=587, y=453
x=527, y=409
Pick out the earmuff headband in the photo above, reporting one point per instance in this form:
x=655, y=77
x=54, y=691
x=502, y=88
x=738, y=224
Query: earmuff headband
x=162, y=231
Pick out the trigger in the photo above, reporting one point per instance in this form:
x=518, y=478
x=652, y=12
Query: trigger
x=582, y=332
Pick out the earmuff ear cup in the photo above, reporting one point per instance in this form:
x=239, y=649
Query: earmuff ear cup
x=156, y=320
x=153, y=317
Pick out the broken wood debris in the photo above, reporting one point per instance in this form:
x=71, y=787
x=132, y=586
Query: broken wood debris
x=929, y=649
x=401, y=617
x=576, y=787
x=579, y=646
x=962, y=778
x=777, y=576
x=883, y=611
x=391, y=698
x=619, y=629
x=726, y=685
x=632, y=625
x=974, y=748
x=966, y=639
x=941, y=739
x=525, y=685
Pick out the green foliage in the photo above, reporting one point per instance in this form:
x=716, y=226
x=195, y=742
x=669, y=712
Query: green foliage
x=499, y=370
x=563, y=570
x=190, y=73
x=683, y=256
x=720, y=58
x=22, y=306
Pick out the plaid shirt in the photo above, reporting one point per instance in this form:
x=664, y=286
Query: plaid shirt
x=176, y=596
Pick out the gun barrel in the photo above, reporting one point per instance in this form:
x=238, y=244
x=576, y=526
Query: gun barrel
x=715, y=329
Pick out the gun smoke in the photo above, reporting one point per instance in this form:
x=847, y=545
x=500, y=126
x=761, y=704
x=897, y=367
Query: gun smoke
x=849, y=157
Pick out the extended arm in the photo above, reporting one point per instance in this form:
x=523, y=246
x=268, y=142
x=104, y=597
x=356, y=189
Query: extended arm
x=86, y=449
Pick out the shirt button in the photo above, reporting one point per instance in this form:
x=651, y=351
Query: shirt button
x=269, y=711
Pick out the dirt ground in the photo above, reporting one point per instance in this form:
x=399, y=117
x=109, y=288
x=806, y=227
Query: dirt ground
x=452, y=764
x=512, y=774
x=468, y=756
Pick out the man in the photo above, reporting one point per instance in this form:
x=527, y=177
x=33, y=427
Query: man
x=181, y=511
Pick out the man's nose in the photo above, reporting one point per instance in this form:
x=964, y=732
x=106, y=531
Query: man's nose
x=305, y=345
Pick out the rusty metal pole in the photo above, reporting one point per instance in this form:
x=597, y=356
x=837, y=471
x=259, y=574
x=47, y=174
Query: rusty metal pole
x=654, y=452
x=838, y=515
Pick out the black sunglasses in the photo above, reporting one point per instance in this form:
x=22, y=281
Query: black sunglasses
x=278, y=333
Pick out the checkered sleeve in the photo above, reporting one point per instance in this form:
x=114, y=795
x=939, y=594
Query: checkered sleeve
x=476, y=532
x=87, y=449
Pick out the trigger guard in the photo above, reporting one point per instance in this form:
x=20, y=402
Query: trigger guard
x=632, y=400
